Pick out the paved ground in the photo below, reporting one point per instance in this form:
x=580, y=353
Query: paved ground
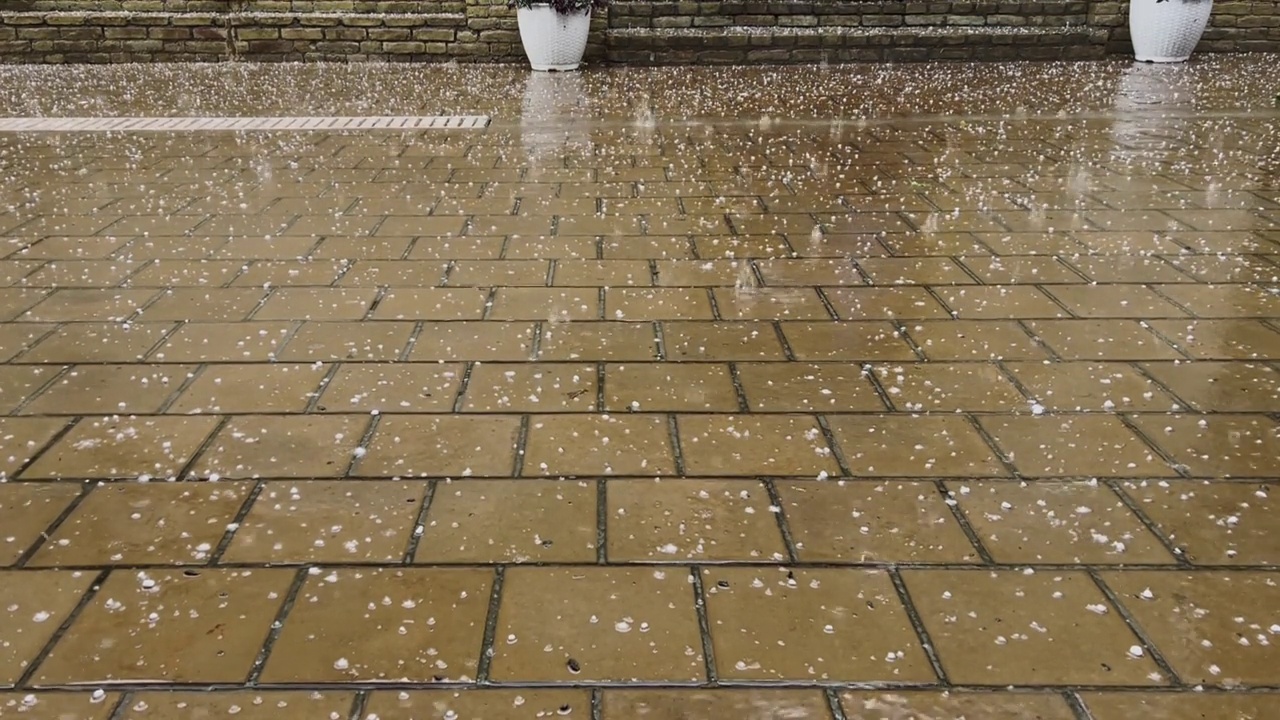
x=666, y=396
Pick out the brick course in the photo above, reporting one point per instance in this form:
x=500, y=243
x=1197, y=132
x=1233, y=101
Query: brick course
x=686, y=31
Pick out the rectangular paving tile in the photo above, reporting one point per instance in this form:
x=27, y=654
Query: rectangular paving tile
x=488, y=704
x=96, y=705
x=690, y=520
x=383, y=624
x=244, y=704
x=1212, y=523
x=120, y=447
x=203, y=626
x=598, y=624
x=36, y=604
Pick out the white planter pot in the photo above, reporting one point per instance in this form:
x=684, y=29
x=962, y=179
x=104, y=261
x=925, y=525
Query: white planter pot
x=553, y=41
x=1167, y=31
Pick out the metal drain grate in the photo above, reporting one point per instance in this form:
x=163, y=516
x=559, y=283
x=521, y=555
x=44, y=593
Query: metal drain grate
x=192, y=124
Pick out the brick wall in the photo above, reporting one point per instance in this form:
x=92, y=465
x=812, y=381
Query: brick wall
x=684, y=31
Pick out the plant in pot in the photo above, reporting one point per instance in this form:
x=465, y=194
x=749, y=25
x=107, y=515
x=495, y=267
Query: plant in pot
x=554, y=33
x=1167, y=30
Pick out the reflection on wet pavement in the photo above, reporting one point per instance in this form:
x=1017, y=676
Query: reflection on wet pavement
x=828, y=392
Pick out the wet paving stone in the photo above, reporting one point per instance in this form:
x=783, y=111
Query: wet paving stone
x=986, y=403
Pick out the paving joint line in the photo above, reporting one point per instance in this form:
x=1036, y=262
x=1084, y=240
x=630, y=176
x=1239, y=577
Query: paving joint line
x=1178, y=554
x=41, y=389
x=826, y=303
x=677, y=450
x=994, y=446
x=535, y=342
x=868, y=370
x=24, y=680
x=602, y=521
x=522, y=442
x=1037, y=341
x=659, y=342
x=597, y=704
x=600, y=391
x=277, y=625
x=229, y=532
x=490, y=299
x=313, y=401
x=1141, y=369
x=420, y=522
x=414, y=333
x=49, y=530
x=834, y=706
x=358, y=705
x=836, y=452
x=1076, y=703
x=1181, y=469
x=463, y=384
x=485, y=663
x=917, y=623
x=780, y=516
x=53, y=441
x=1132, y=623
x=362, y=448
x=900, y=329
x=962, y=519
x=735, y=377
x=121, y=706
x=1003, y=367
x=704, y=624
x=1177, y=347
x=787, y=351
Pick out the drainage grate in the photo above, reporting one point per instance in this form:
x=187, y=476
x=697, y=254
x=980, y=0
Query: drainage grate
x=191, y=124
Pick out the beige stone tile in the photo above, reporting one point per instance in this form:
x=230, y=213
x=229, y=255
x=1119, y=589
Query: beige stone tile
x=22, y=439
x=1221, y=386
x=547, y=304
x=1102, y=340
x=644, y=248
x=849, y=341
x=884, y=303
x=82, y=304
x=1000, y=302
x=742, y=703
x=252, y=388
x=400, y=274
x=1021, y=269
x=915, y=271
x=1128, y=268
x=1214, y=628
x=225, y=342
x=431, y=304
x=145, y=524
x=531, y=387
x=649, y=387
x=1074, y=446
x=1222, y=339
x=779, y=624
x=692, y=520
x=81, y=273
x=931, y=387
x=751, y=445
x=483, y=341
x=328, y=522
x=204, y=304
x=312, y=303
x=168, y=248
x=487, y=704
x=1015, y=628
x=186, y=273
x=398, y=226
x=121, y=447
x=696, y=340
x=805, y=272
x=107, y=389
x=59, y=705
x=1090, y=387
x=913, y=446
x=632, y=304
x=1227, y=268
x=602, y=624
x=18, y=382
x=807, y=387
x=770, y=304
x=872, y=521
x=1212, y=523
x=362, y=248
x=705, y=273
x=73, y=248
x=598, y=341
x=442, y=446
x=1181, y=705
x=742, y=246
x=338, y=631
x=498, y=273
x=602, y=273
x=1056, y=522
x=97, y=343
x=392, y=388
x=922, y=704
x=244, y=704
x=16, y=301
x=288, y=446
x=974, y=340
x=1114, y=301
x=1223, y=301
x=275, y=248
x=584, y=445
x=510, y=521
x=202, y=626
x=365, y=341
x=552, y=248
x=1217, y=446
x=36, y=604
x=26, y=511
